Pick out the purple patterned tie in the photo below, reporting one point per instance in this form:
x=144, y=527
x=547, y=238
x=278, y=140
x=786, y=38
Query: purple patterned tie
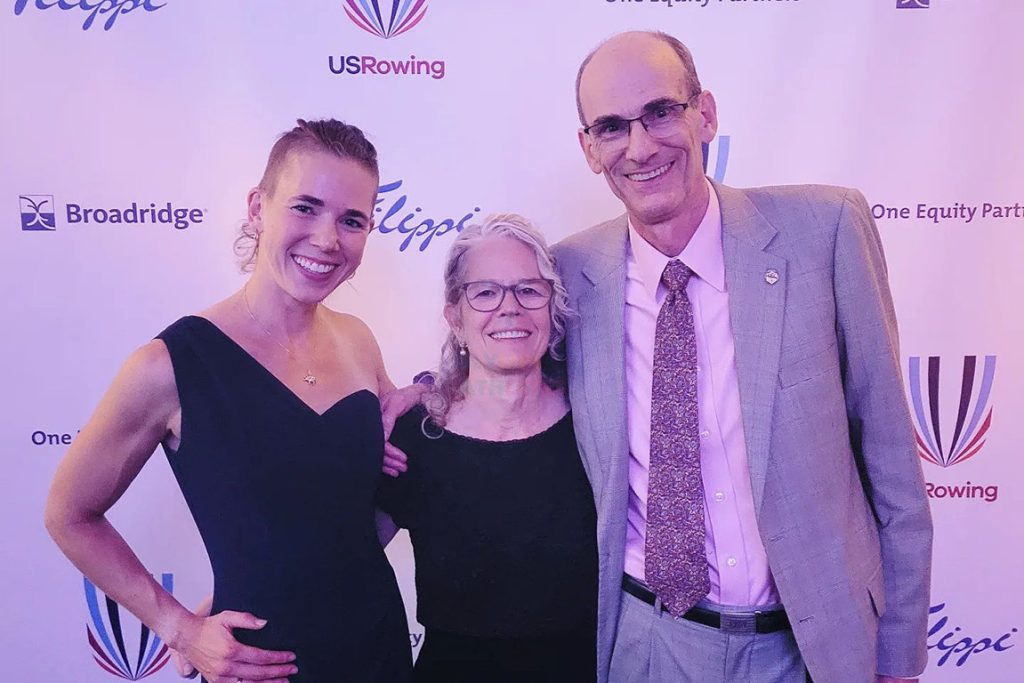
x=675, y=562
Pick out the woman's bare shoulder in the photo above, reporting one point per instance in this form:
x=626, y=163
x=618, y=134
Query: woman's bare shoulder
x=150, y=364
x=351, y=328
x=145, y=383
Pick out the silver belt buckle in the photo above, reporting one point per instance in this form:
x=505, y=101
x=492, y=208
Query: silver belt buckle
x=744, y=624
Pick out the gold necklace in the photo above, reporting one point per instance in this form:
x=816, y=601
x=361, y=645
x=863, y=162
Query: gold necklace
x=310, y=378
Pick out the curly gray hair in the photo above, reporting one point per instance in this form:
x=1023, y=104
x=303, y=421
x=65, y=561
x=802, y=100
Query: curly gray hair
x=454, y=368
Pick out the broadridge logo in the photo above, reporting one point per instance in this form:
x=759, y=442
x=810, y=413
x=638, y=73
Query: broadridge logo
x=377, y=20
x=101, y=12
x=963, y=401
x=38, y=212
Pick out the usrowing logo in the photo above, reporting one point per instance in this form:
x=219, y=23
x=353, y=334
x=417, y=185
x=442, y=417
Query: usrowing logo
x=403, y=16
x=973, y=410
x=107, y=638
x=913, y=4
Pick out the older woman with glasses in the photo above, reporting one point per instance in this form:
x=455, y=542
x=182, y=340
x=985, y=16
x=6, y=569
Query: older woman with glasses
x=497, y=503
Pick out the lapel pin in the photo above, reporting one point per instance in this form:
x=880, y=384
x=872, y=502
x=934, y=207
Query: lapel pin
x=771, y=276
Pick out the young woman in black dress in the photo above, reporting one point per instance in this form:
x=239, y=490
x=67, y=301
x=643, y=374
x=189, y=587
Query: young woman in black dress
x=266, y=405
x=497, y=503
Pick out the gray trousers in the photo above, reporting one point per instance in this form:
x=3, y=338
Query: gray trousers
x=653, y=646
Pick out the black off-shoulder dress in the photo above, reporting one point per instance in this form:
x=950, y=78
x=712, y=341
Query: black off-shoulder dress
x=284, y=500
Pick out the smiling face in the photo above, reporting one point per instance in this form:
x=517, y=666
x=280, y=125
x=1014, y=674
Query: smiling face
x=659, y=180
x=511, y=339
x=313, y=223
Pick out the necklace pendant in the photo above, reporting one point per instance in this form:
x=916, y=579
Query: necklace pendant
x=310, y=378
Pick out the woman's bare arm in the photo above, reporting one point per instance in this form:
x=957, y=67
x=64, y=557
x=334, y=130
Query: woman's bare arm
x=139, y=411
x=133, y=417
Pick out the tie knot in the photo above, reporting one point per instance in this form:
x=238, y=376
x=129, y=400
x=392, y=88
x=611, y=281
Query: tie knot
x=676, y=275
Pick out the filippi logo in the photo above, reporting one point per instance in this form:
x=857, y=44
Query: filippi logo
x=972, y=423
x=112, y=9
x=107, y=638
x=404, y=15
x=38, y=212
x=913, y=4
x=412, y=224
x=956, y=646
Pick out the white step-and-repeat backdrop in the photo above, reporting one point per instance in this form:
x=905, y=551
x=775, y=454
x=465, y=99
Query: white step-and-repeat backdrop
x=112, y=107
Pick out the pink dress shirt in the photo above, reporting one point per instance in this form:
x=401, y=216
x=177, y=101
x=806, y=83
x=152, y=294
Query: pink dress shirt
x=737, y=563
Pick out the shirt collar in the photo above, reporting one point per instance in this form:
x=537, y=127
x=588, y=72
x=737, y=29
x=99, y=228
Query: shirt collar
x=702, y=254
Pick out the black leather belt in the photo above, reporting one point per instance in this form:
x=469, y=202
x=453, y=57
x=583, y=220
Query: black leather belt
x=751, y=622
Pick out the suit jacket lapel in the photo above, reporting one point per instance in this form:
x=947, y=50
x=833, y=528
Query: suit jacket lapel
x=756, y=311
x=602, y=334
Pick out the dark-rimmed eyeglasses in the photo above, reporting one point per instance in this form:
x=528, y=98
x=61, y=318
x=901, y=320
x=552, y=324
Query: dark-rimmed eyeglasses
x=661, y=120
x=486, y=296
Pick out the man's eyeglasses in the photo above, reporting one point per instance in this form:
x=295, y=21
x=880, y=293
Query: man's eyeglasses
x=661, y=120
x=486, y=296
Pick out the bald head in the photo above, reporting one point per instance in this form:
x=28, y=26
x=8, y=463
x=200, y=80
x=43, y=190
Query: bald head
x=644, y=45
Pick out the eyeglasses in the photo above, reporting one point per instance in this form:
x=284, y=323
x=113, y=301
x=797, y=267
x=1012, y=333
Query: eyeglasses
x=486, y=296
x=661, y=121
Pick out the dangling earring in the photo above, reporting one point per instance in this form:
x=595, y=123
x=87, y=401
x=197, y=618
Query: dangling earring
x=461, y=345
